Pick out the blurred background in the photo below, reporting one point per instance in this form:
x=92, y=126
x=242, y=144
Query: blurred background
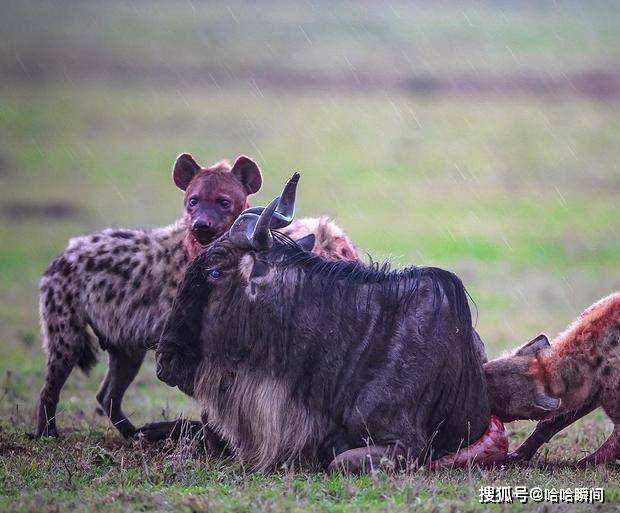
x=483, y=137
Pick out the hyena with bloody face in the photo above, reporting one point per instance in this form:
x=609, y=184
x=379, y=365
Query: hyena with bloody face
x=120, y=283
x=561, y=381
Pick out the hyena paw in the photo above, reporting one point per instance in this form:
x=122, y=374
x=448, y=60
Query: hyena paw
x=516, y=459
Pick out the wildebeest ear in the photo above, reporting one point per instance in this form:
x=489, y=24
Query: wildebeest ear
x=248, y=173
x=185, y=168
x=545, y=402
x=307, y=243
x=534, y=345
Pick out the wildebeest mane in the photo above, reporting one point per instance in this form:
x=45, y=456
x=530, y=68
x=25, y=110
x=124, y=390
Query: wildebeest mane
x=307, y=332
x=393, y=281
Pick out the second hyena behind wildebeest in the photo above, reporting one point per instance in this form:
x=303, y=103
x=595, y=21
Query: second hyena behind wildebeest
x=120, y=283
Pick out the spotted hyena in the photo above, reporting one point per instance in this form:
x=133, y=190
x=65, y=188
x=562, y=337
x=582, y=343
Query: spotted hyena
x=120, y=284
x=559, y=382
x=330, y=241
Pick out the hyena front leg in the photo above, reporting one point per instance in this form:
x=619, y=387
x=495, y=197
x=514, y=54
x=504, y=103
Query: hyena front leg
x=122, y=369
x=545, y=430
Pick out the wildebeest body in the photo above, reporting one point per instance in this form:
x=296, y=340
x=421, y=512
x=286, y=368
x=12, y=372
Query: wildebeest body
x=296, y=358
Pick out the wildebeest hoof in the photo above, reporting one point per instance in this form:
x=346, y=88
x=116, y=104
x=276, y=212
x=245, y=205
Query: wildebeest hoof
x=154, y=432
x=366, y=459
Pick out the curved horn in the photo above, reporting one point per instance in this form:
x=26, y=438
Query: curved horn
x=285, y=210
x=241, y=231
x=261, y=236
x=252, y=228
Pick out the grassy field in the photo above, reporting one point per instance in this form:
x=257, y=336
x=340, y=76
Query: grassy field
x=517, y=193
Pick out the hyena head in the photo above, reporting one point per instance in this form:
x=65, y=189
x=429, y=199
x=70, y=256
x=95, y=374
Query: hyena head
x=516, y=384
x=214, y=196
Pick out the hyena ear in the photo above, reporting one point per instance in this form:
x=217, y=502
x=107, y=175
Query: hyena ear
x=534, y=345
x=185, y=168
x=545, y=402
x=307, y=243
x=248, y=173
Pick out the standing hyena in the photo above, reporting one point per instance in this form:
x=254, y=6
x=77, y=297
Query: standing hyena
x=561, y=381
x=121, y=283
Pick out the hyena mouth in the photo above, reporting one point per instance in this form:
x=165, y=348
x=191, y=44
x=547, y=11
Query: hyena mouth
x=204, y=238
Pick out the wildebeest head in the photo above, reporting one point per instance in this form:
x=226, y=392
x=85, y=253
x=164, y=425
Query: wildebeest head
x=216, y=195
x=236, y=268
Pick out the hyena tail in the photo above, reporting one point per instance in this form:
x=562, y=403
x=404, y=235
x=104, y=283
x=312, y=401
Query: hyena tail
x=88, y=355
x=66, y=341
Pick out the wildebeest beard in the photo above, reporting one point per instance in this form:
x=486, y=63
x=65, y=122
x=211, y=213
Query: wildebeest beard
x=321, y=357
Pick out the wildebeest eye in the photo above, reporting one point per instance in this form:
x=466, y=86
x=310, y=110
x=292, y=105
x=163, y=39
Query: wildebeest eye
x=224, y=203
x=193, y=202
x=214, y=273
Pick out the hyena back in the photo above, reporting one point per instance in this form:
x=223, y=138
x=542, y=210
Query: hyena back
x=121, y=283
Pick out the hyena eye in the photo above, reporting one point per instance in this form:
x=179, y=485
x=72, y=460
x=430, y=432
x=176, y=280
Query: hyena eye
x=225, y=203
x=214, y=273
x=192, y=202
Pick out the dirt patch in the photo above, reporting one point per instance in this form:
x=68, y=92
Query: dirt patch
x=54, y=210
x=596, y=84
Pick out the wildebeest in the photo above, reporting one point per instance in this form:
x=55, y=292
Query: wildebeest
x=120, y=283
x=564, y=380
x=294, y=358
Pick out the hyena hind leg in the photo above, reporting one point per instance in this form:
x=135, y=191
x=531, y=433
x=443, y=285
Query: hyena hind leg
x=606, y=453
x=64, y=350
x=609, y=451
x=122, y=369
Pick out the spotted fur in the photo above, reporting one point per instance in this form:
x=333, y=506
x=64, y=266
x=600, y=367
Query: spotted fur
x=562, y=380
x=330, y=241
x=118, y=284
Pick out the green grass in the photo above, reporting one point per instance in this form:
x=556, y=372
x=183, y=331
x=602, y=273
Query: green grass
x=518, y=195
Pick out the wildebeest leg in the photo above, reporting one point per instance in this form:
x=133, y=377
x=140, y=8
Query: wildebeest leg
x=122, y=369
x=545, y=430
x=173, y=429
x=374, y=457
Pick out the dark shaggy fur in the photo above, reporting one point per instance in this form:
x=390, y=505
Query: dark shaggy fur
x=297, y=358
